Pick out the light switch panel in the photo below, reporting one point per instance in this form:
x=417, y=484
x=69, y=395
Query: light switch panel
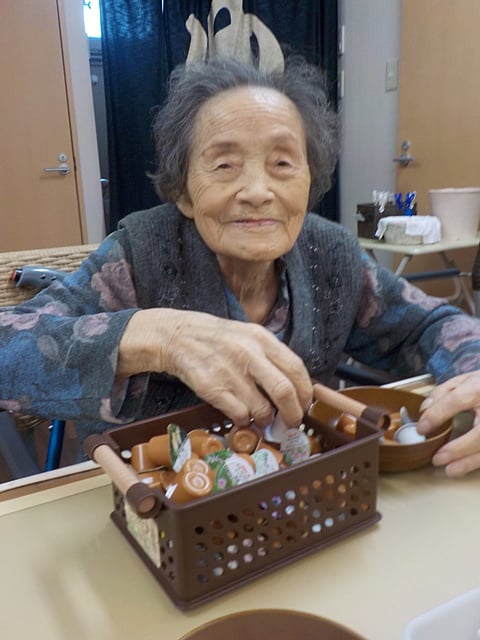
x=391, y=75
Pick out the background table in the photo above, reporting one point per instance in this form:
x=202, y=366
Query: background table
x=409, y=251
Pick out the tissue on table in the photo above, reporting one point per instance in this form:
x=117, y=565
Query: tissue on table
x=409, y=229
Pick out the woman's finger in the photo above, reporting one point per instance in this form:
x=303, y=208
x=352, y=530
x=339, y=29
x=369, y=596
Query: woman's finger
x=458, y=394
x=461, y=455
x=247, y=361
x=244, y=403
x=461, y=467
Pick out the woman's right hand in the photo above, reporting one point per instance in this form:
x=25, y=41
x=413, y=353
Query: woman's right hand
x=240, y=368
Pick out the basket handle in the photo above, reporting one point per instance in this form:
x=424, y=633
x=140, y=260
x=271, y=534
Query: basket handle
x=345, y=404
x=144, y=500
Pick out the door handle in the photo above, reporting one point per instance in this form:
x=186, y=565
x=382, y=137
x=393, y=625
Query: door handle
x=62, y=168
x=405, y=158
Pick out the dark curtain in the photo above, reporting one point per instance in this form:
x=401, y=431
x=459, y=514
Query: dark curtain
x=135, y=71
x=141, y=45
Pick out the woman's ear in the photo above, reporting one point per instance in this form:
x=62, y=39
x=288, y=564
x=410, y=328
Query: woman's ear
x=185, y=205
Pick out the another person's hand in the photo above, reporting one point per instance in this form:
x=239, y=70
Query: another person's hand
x=461, y=393
x=240, y=368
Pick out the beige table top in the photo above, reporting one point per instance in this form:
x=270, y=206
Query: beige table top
x=419, y=249
x=68, y=573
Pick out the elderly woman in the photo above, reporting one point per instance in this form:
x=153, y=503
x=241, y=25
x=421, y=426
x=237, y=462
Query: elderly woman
x=231, y=293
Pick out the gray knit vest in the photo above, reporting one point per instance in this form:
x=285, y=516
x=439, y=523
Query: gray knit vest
x=174, y=268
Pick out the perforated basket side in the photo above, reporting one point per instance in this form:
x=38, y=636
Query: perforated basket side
x=213, y=545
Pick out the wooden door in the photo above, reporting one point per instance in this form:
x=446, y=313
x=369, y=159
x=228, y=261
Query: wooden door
x=37, y=209
x=439, y=103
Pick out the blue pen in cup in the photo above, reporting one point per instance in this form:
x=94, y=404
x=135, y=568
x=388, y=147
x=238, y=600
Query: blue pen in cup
x=409, y=202
x=399, y=202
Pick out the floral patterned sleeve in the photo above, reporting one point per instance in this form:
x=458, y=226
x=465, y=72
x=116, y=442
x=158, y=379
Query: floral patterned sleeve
x=59, y=349
x=402, y=330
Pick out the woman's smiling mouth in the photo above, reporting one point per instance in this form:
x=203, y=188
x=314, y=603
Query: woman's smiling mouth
x=255, y=222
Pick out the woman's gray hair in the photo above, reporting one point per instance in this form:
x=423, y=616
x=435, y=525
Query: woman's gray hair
x=190, y=86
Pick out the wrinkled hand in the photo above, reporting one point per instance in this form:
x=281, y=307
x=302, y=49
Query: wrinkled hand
x=461, y=393
x=240, y=368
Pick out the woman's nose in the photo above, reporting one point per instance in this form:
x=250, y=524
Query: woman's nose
x=255, y=188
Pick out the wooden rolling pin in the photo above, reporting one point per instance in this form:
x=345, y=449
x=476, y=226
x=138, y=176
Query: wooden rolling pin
x=349, y=405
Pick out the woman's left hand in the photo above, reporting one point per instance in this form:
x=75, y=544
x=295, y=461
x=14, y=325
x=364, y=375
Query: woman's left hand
x=461, y=393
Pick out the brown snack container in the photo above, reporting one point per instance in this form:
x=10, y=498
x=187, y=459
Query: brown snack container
x=158, y=450
x=204, y=443
x=191, y=485
x=153, y=479
x=196, y=464
x=243, y=439
x=141, y=460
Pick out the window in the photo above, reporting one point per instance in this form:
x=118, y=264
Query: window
x=91, y=17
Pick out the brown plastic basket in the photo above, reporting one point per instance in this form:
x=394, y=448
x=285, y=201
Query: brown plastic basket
x=205, y=548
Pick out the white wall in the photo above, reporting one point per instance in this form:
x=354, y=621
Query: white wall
x=369, y=112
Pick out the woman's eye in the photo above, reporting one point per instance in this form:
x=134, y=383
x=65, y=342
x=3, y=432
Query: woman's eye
x=223, y=165
x=283, y=163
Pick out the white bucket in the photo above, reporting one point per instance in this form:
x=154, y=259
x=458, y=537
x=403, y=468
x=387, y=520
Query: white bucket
x=458, y=211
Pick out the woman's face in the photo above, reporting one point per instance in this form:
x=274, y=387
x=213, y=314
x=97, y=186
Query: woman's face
x=248, y=177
